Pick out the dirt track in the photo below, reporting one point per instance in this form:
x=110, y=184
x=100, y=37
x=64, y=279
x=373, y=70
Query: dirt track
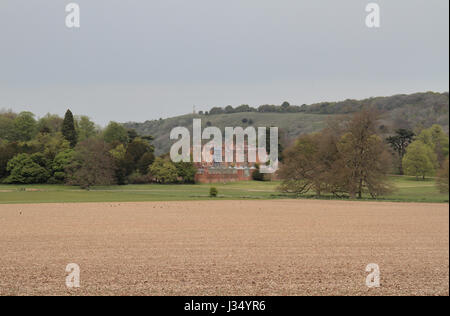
x=225, y=248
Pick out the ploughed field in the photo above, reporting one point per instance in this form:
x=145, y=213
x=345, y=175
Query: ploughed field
x=276, y=247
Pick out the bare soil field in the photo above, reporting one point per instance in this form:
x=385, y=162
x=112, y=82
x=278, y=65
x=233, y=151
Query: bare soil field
x=288, y=247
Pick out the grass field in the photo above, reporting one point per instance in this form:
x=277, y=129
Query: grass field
x=407, y=190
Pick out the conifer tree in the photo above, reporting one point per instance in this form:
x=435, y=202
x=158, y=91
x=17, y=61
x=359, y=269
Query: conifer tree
x=68, y=129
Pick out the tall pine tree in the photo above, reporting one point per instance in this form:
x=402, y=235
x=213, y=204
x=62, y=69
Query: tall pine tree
x=68, y=129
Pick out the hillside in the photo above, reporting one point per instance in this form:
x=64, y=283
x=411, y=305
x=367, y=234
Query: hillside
x=399, y=111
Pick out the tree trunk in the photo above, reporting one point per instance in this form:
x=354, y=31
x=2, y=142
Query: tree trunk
x=360, y=188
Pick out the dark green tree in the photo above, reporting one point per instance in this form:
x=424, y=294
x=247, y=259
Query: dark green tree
x=399, y=142
x=7, y=151
x=257, y=175
x=68, y=129
x=145, y=162
x=280, y=145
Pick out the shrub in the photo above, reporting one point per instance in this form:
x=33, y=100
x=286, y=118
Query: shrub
x=257, y=175
x=138, y=178
x=163, y=171
x=213, y=192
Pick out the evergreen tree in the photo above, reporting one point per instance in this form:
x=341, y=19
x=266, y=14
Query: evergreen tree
x=402, y=139
x=68, y=129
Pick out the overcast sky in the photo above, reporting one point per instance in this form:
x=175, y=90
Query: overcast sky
x=136, y=60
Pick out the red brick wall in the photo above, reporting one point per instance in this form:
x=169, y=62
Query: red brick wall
x=207, y=177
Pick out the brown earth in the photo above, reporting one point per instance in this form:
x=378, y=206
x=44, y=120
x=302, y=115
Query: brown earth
x=225, y=248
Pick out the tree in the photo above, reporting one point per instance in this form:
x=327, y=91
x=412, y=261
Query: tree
x=50, y=123
x=164, y=171
x=313, y=163
x=61, y=162
x=285, y=106
x=345, y=158
x=420, y=160
x=115, y=133
x=85, y=128
x=145, y=162
x=25, y=169
x=280, y=142
x=130, y=161
x=49, y=144
x=363, y=156
x=92, y=165
x=132, y=134
x=437, y=140
x=24, y=126
x=7, y=151
x=216, y=110
x=186, y=171
x=7, y=126
x=137, y=148
x=399, y=142
x=118, y=154
x=229, y=109
x=442, y=181
x=68, y=129
x=301, y=170
x=244, y=108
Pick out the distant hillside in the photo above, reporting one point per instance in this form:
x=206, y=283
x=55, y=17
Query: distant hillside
x=399, y=111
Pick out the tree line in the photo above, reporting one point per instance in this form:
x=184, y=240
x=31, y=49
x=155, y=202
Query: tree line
x=347, y=158
x=350, y=158
x=437, y=101
x=73, y=150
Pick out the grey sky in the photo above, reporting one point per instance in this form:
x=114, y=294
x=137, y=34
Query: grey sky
x=136, y=60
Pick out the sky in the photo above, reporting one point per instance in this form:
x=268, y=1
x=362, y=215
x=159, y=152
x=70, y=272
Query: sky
x=140, y=60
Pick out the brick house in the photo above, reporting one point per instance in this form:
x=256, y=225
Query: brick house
x=221, y=172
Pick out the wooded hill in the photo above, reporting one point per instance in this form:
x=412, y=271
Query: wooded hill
x=413, y=112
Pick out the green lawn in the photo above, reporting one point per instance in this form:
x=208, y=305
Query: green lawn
x=407, y=190
x=411, y=190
